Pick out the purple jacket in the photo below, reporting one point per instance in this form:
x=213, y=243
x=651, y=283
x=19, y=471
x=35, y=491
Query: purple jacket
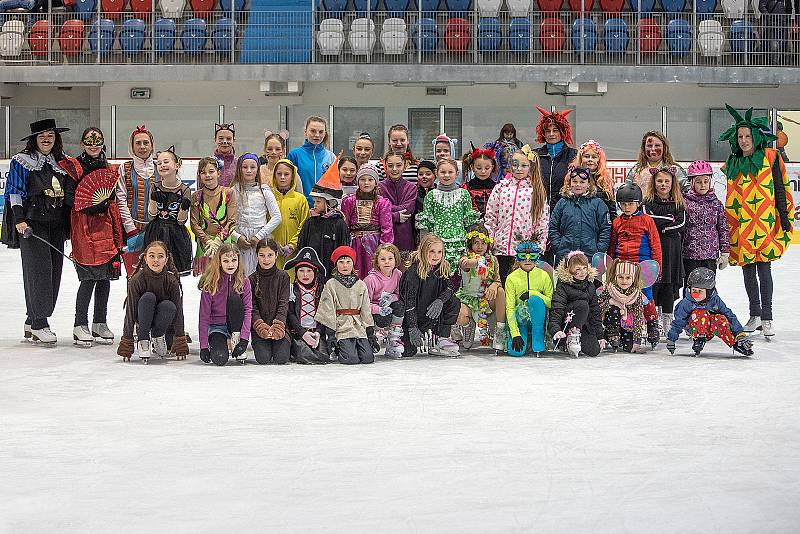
x=213, y=308
x=378, y=283
x=381, y=216
x=707, y=232
x=402, y=194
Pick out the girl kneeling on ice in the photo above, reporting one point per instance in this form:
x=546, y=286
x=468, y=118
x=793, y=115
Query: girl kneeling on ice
x=154, y=307
x=344, y=311
x=225, y=307
x=383, y=284
x=308, y=347
x=705, y=315
x=270, y=306
x=622, y=305
x=575, y=312
x=528, y=294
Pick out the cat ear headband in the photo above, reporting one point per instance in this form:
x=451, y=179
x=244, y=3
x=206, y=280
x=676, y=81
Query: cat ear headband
x=223, y=126
x=283, y=134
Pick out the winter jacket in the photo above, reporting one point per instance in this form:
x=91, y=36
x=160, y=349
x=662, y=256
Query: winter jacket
x=707, y=232
x=568, y=290
x=256, y=208
x=535, y=282
x=164, y=285
x=670, y=220
x=213, y=308
x=635, y=310
x=294, y=212
x=508, y=216
x=579, y=223
x=713, y=303
x=635, y=238
x=402, y=195
x=418, y=293
x=554, y=170
x=334, y=299
x=311, y=161
x=324, y=233
x=611, y=205
x=270, y=289
x=378, y=283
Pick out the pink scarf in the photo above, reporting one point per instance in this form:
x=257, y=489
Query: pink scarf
x=621, y=300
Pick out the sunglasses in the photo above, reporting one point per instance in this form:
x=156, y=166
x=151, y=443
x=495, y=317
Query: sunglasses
x=527, y=256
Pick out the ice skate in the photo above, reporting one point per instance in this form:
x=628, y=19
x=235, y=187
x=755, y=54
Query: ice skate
x=767, y=330
x=143, y=351
x=81, y=336
x=394, y=344
x=44, y=336
x=698, y=345
x=102, y=334
x=160, y=347
x=614, y=340
x=445, y=347
x=28, y=337
x=574, y=342
x=666, y=324
x=455, y=333
x=743, y=346
x=653, y=333
x=468, y=338
x=236, y=337
x=500, y=338
x=753, y=324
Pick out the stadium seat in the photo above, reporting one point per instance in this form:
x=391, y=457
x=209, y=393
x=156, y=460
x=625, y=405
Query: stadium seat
x=223, y=35
x=142, y=8
x=589, y=29
x=457, y=36
x=734, y=9
x=71, y=38
x=673, y=6
x=194, y=35
x=12, y=36
x=519, y=35
x=575, y=6
x=225, y=5
x=615, y=35
x=361, y=7
x=164, y=36
x=521, y=8
x=396, y=8
x=202, y=8
x=490, y=37
x=362, y=36
x=649, y=36
x=85, y=9
x=131, y=36
x=112, y=9
x=489, y=8
x=679, y=37
x=643, y=6
x=334, y=8
x=101, y=35
x=706, y=6
x=394, y=36
x=552, y=35
x=710, y=38
x=429, y=6
x=458, y=8
x=742, y=37
x=330, y=38
x=425, y=35
x=612, y=6
x=37, y=38
x=172, y=9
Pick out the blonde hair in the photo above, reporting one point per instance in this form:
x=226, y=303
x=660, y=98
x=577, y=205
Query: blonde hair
x=611, y=273
x=539, y=195
x=576, y=260
x=391, y=248
x=566, y=189
x=316, y=118
x=209, y=280
x=447, y=161
x=421, y=257
x=675, y=188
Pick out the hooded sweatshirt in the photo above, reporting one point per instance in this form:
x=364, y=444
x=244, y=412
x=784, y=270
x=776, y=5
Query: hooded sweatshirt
x=311, y=162
x=294, y=212
x=213, y=308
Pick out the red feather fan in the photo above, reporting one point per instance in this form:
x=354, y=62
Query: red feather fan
x=95, y=188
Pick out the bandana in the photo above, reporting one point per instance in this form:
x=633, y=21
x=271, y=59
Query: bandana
x=347, y=281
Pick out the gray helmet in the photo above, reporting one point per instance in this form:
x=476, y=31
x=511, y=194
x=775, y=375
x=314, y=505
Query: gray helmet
x=701, y=277
x=629, y=193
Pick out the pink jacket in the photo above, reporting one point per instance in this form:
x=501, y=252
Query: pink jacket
x=378, y=283
x=508, y=216
x=381, y=216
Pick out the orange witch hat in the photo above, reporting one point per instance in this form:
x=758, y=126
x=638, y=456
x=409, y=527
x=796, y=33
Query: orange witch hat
x=329, y=186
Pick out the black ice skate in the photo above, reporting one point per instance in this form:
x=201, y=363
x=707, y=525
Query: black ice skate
x=653, y=333
x=698, y=345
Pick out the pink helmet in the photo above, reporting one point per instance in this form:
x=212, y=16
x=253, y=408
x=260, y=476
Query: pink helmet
x=699, y=168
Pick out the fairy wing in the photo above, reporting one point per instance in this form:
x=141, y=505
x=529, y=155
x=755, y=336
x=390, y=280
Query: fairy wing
x=95, y=188
x=650, y=272
x=601, y=261
x=546, y=267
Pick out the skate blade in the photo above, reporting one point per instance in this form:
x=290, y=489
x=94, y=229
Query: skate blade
x=82, y=344
x=36, y=341
x=103, y=340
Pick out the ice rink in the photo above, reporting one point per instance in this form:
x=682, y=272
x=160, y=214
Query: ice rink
x=620, y=444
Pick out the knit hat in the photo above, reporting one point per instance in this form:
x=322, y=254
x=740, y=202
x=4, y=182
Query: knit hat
x=557, y=119
x=343, y=251
x=444, y=139
x=329, y=186
x=306, y=257
x=368, y=169
x=427, y=164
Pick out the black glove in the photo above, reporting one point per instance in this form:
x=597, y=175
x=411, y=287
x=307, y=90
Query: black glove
x=239, y=349
x=415, y=336
x=205, y=355
x=185, y=203
x=434, y=309
x=159, y=197
x=102, y=207
x=373, y=341
x=786, y=224
x=743, y=346
x=517, y=343
x=524, y=297
x=671, y=346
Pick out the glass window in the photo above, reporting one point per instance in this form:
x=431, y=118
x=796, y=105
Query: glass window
x=789, y=122
x=423, y=125
x=22, y=117
x=348, y=124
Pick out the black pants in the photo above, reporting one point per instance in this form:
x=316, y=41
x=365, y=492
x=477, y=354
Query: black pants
x=101, y=290
x=154, y=318
x=218, y=342
x=271, y=350
x=690, y=265
x=589, y=344
x=41, y=272
x=664, y=296
x=384, y=321
x=505, y=263
x=758, y=284
x=353, y=351
x=440, y=326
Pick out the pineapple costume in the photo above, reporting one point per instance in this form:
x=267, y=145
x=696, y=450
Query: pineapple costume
x=758, y=202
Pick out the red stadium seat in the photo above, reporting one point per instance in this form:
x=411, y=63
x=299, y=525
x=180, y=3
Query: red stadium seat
x=612, y=6
x=549, y=5
x=575, y=5
x=112, y=9
x=37, y=39
x=202, y=8
x=649, y=36
x=71, y=38
x=456, y=35
x=141, y=7
x=552, y=35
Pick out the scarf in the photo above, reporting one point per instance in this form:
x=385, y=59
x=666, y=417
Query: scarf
x=555, y=149
x=347, y=281
x=622, y=300
x=448, y=188
x=145, y=168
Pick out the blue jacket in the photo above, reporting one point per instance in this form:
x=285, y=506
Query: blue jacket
x=311, y=161
x=579, y=223
x=713, y=304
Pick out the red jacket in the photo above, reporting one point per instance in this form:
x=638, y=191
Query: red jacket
x=635, y=238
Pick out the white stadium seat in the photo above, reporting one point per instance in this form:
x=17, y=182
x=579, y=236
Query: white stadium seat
x=734, y=9
x=172, y=9
x=519, y=8
x=489, y=8
x=330, y=37
x=362, y=36
x=11, y=38
x=394, y=36
x=710, y=37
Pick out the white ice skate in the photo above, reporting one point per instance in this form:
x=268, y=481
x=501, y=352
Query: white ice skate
x=445, y=347
x=500, y=337
x=753, y=324
x=468, y=335
x=44, y=336
x=455, y=333
x=767, y=330
x=102, y=334
x=394, y=345
x=143, y=350
x=82, y=337
x=160, y=347
x=574, y=342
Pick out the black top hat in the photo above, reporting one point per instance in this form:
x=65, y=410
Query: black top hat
x=44, y=125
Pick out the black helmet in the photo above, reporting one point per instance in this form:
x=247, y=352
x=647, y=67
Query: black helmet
x=629, y=193
x=701, y=277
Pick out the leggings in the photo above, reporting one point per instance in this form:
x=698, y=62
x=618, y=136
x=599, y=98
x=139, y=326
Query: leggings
x=385, y=321
x=101, y=289
x=706, y=325
x=154, y=318
x=758, y=284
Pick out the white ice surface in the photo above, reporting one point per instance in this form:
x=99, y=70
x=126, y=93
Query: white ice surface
x=622, y=443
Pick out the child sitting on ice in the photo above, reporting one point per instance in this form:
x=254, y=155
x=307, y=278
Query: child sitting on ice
x=529, y=291
x=383, y=284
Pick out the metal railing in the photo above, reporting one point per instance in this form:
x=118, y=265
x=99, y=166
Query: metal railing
x=411, y=37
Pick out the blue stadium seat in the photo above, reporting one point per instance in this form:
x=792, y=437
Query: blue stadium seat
x=673, y=6
x=396, y=8
x=334, y=8
x=457, y=8
x=225, y=5
x=85, y=9
x=425, y=35
x=222, y=35
x=361, y=7
x=706, y=6
x=131, y=36
x=164, y=36
x=519, y=35
x=193, y=36
x=429, y=5
x=589, y=35
x=679, y=37
x=102, y=34
x=490, y=36
x=743, y=37
x=615, y=34
x=644, y=6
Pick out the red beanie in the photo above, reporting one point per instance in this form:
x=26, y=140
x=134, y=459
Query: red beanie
x=343, y=251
